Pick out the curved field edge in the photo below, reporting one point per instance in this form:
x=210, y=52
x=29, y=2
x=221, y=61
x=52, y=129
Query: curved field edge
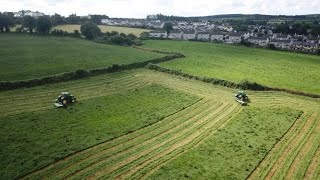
x=86, y=124
x=285, y=70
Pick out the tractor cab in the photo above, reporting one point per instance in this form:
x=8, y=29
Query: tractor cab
x=64, y=99
x=241, y=97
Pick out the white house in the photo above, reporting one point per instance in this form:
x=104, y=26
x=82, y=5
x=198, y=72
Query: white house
x=175, y=34
x=261, y=41
x=204, y=36
x=158, y=34
x=233, y=38
x=189, y=35
x=218, y=36
x=281, y=44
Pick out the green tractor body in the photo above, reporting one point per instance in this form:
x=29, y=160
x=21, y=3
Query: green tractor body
x=241, y=97
x=64, y=99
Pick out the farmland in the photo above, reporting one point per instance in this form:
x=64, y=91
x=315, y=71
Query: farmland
x=144, y=124
x=104, y=28
x=198, y=117
x=26, y=57
x=236, y=63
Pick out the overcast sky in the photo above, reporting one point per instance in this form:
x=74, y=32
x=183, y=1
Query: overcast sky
x=141, y=8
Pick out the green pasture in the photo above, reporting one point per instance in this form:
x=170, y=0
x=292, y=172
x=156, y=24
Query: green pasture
x=236, y=63
x=36, y=138
x=26, y=57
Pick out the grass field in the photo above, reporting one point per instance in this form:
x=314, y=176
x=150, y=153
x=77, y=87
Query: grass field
x=235, y=63
x=61, y=132
x=208, y=126
x=104, y=28
x=27, y=57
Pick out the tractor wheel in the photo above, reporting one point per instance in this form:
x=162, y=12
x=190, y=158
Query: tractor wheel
x=64, y=102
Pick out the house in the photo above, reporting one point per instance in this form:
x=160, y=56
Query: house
x=309, y=47
x=204, y=36
x=217, y=36
x=233, y=38
x=281, y=44
x=189, y=35
x=158, y=34
x=278, y=36
x=297, y=45
x=175, y=34
x=175, y=25
x=260, y=41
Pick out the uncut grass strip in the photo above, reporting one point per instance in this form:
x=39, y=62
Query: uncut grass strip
x=144, y=139
x=139, y=133
x=186, y=134
x=298, y=163
x=283, y=155
x=146, y=167
x=264, y=166
x=102, y=162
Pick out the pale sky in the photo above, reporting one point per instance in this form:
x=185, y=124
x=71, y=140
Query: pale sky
x=141, y=8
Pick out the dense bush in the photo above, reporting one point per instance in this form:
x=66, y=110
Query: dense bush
x=90, y=30
x=61, y=33
x=119, y=39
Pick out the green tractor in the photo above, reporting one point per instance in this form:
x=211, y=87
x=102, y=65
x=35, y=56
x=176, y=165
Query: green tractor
x=241, y=97
x=64, y=99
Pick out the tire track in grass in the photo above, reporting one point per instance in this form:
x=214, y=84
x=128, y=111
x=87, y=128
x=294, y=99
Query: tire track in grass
x=293, y=170
x=284, y=155
x=135, y=155
x=314, y=167
x=146, y=138
x=160, y=159
x=278, y=148
x=126, y=138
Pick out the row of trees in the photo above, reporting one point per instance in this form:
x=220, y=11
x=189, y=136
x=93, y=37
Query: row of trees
x=91, y=31
x=43, y=24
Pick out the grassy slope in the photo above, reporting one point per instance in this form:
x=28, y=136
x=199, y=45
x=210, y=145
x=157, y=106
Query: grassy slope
x=27, y=57
x=60, y=132
x=273, y=68
x=235, y=150
x=104, y=28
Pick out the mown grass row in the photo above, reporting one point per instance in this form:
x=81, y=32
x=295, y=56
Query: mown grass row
x=123, y=141
x=286, y=150
x=99, y=158
x=186, y=137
